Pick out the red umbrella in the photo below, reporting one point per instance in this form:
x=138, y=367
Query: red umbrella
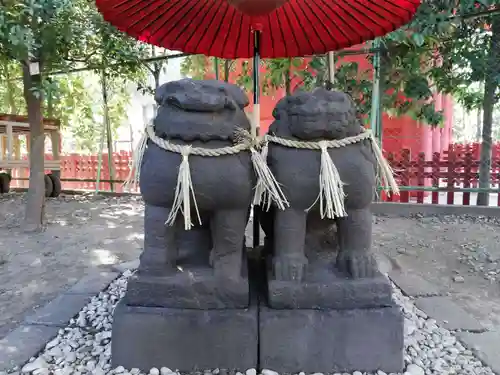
x=257, y=28
x=296, y=28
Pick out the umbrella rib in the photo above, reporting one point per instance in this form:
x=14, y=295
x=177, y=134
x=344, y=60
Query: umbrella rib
x=224, y=45
x=395, y=5
x=322, y=24
x=179, y=33
x=387, y=10
x=212, y=20
x=333, y=10
x=271, y=34
x=153, y=21
x=164, y=11
x=366, y=9
x=349, y=14
x=335, y=25
x=313, y=28
x=293, y=32
x=174, y=24
x=121, y=3
x=220, y=25
x=283, y=36
x=250, y=42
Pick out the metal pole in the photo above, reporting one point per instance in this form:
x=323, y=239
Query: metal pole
x=216, y=68
x=256, y=124
x=331, y=67
x=101, y=143
x=256, y=88
x=374, y=114
x=109, y=135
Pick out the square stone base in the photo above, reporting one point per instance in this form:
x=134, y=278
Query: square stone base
x=184, y=339
x=322, y=289
x=196, y=289
x=329, y=341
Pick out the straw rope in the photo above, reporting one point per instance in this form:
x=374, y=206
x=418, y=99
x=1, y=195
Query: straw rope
x=184, y=190
x=267, y=190
x=331, y=195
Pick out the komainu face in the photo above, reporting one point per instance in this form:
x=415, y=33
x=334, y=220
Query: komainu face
x=321, y=114
x=203, y=110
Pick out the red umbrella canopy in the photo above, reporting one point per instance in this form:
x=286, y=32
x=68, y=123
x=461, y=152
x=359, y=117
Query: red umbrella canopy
x=288, y=28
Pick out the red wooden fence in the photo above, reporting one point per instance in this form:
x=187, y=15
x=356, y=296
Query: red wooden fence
x=455, y=169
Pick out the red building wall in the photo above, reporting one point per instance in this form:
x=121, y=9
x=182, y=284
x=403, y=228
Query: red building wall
x=398, y=133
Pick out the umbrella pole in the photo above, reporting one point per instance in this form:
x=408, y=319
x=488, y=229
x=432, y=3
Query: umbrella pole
x=256, y=124
x=331, y=67
x=216, y=68
x=256, y=91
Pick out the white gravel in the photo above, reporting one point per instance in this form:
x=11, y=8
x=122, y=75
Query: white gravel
x=84, y=347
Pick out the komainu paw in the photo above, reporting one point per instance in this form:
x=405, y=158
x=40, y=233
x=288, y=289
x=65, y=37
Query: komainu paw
x=357, y=264
x=289, y=268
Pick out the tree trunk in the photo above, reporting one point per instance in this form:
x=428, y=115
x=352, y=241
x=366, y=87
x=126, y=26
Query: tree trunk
x=35, y=203
x=478, y=122
x=478, y=125
x=489, y=100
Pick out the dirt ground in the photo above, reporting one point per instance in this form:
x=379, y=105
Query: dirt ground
x=459, y=255
x=82, y=233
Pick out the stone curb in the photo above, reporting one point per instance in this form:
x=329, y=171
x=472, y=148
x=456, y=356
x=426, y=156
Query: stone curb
x=409, y=209
x=433, y=302
x=427, y=298
x=31, y=336
x=485, y=346
x=413, y=285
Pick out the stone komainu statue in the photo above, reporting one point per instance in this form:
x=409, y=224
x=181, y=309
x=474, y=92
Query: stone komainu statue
x=203, y=114
x=316, y=116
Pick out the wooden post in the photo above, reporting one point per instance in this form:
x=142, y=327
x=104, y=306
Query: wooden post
x=10, y=139
x=467, y=176
x=3, y=147
x=406, y=177
x=420, y=176
x=55, y=139
x=450, y=173
x=436, y=174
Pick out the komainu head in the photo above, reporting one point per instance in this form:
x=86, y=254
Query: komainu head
x=321, y=114
x=203, y=110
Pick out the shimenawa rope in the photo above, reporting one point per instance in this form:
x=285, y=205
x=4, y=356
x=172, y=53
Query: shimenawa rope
x=331, y=195
x=184, y=190
x=267, y=190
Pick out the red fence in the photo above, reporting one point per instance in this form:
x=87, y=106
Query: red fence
x=442, y=177
x=445, y=174
x=79, y=172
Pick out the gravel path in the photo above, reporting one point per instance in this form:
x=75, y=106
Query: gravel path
x=458, y=255
x=84, y=347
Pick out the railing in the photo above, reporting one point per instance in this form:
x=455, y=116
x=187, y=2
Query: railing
x=450, y=177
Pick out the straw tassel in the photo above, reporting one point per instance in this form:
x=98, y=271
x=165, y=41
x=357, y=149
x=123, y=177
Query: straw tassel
x=331, y=192
x=385, y=169
x=267, y=188
x=135, y=169
x=183, y=192
x=261, y=196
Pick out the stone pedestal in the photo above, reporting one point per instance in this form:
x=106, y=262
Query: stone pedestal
x=196, y=288
x=185, y=339
x=329, y=341
x=331, y=290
